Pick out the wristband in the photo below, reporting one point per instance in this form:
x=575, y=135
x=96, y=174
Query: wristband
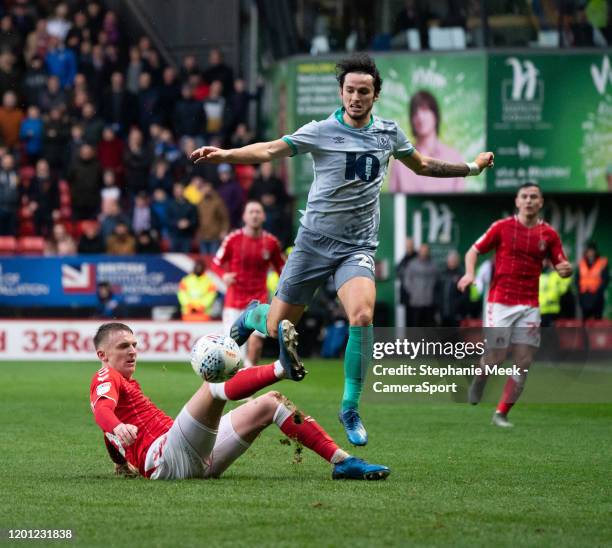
x=474, y=169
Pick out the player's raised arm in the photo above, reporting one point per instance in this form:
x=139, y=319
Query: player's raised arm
x=250, y=154
x=432, y=167
x=471, y=257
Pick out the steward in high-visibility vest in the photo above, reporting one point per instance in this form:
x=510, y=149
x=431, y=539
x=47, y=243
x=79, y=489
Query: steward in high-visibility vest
x=197, y=294
x=552, y=289
x=592, y=281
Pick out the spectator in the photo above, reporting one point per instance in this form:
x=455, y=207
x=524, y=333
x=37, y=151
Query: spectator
x=452, y=303
x=400, y=273
x=59, y=25
x=270, y=191
x=96, y=70
x=218, y=71
x=61, y=242
x=231, y=193
x=413, y=16
x=134, y=69
x=95, y=17
x=11, y=117
x=55, y=139
x=182, y=220
x=160, y=176
x=551, y=291
x=147, y=102
x=110, y=190
x=147, y=242
x=34, y=81
x=159, y=209
x=153, y=65
x=9, y=196
x=238, y=104
x=92, y=125
x=31, y=133
x=169, y=94
x=78, y=32
x=200, y=88
x=189, y=66
x=44, y=193
x=85, y=178
x=23, y=16
x=110, y=152
x=142, y=216
x=213, y=220
x=53, y=96
x=214, y=109
x=117, y=105
x=241, y=137
x=109, y=305
x=10, y=75
x=121, y=241
x=61, y=62
x=166, y=147
x=74, y=144
x=91, y=241
x=185, y=168
x=592, y=280
x=197, y=294
x=136, y=161
x=37, y=42
x=10, y=39
x=110, y=216
x=189, y=118
x=110, y=26
x=420, y=280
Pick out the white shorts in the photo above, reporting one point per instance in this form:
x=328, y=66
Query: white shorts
x=518, y=324
x=230, y=315
x=185, y=450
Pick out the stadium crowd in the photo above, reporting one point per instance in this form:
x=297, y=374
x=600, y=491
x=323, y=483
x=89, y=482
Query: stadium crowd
x=96, y=132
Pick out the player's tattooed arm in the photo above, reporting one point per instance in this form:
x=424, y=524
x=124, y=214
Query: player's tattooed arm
x=432, y=167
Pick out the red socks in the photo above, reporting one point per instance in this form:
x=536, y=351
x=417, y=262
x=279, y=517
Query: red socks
x=248, y=381
x=511, y=393
x=308, y=432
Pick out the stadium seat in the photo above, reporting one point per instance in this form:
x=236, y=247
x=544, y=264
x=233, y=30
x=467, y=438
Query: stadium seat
x=31, y=245
x=570, y=334
x=447, y=38
x=8, y=245
x=599, y=333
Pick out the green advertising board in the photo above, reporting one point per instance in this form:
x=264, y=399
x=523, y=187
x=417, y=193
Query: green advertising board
x=550, y=121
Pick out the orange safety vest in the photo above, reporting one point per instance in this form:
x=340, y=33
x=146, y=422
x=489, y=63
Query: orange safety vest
x=590, y=276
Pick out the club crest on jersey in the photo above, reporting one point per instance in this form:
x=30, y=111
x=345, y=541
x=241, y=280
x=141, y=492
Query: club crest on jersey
x=542, y=245
x=384, y=142
x=265, y=255
x=103, y=388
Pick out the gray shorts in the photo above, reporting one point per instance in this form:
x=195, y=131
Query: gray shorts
x=314, y=258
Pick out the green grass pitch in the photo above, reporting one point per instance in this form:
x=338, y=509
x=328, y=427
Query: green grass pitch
x=456, y=479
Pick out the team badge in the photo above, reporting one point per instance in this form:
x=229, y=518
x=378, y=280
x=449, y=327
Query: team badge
x=384, y=142
x=542, y=245
x=265, y=255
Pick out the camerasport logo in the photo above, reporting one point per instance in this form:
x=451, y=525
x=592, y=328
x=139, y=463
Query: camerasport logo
x=79, y=279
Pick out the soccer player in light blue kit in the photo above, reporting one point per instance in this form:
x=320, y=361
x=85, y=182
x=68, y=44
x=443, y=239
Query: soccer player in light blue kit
x=339, y=231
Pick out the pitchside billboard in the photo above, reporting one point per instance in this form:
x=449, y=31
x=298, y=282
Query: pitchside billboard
x=547, y=116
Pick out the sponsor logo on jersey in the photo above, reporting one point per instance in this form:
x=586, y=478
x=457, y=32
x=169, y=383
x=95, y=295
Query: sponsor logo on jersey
x=338, y=140
x=103, y=388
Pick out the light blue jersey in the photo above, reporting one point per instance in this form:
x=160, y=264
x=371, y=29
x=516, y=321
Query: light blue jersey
x=349, y=167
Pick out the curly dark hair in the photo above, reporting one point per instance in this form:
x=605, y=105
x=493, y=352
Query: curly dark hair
x=360, y=62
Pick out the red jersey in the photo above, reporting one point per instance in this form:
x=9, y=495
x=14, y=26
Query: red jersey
x=131, y=407
x=251, y=259
x=520, y=251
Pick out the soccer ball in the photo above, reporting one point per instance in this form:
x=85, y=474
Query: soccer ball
x=216, y=358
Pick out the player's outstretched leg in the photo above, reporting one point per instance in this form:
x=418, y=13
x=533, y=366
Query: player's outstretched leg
x=310, y=434
x=356, y=362
x=253, y=317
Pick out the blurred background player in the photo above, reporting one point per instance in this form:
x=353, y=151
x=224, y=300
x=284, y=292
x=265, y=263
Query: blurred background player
x=243, y=262
x=201, y=442
x=197, y=294
x=339, y=230
x=521, y=243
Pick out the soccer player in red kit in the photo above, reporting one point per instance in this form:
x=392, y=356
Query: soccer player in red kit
x=521, y=244
x=243, y=261
x=201, y=442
